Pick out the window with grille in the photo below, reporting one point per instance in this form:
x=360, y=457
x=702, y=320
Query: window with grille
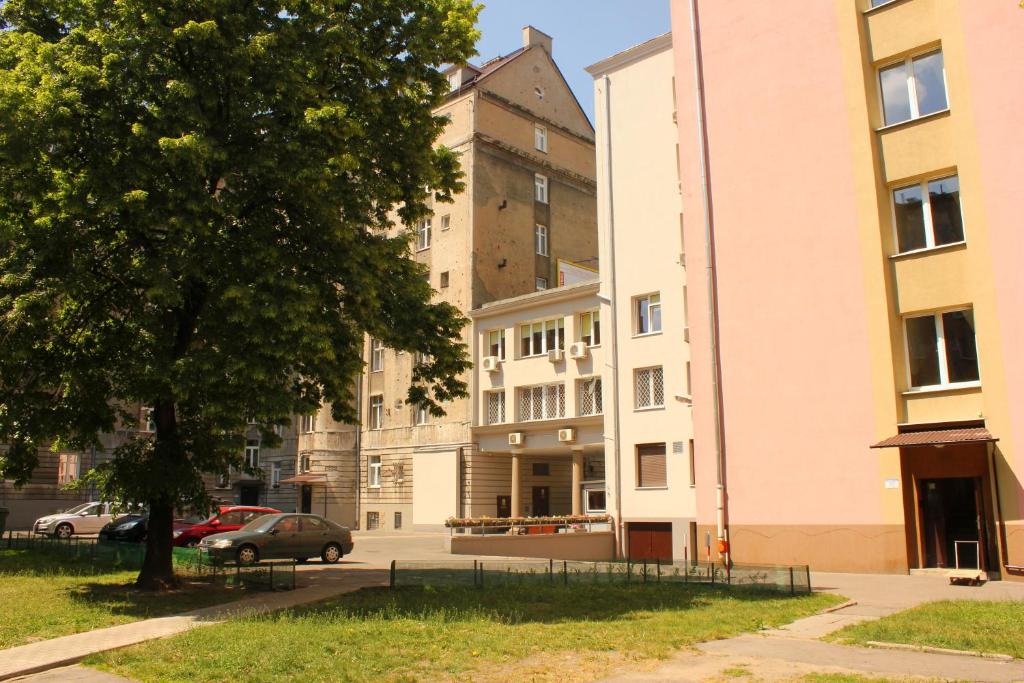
x=540, y=188
x=590, y=328
x=541, y=240
x=398, y=520
x=252, y=454
x=423, y=234
x=372, y=521
x=68, y=465
x=648, y=314
x=589, y=399
x=536, y=339
x=376, y=412
x=496, y=343
x=376, y=355
x=495, y=407
x=650, y=388
x=650, y=465
x=373, y=472
x=398, y=472
x=543, y=402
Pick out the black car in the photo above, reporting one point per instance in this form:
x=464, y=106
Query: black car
x=129, y=528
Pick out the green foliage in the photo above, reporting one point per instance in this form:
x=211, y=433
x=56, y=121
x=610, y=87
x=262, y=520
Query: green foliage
x=197, y=213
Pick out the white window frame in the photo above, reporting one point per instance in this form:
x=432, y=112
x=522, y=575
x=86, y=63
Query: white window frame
x=69, y=468
x=540, y=188
x=940, y=342
x=540, y=138
x=252, y=454
x=501, y=342
x=376, y=355
x=423, y=234
x=540, y=240
x=376, y=411
x=650, y=374
x=594, y=318
x=446, y=222
x=147, y=425
x=541, y=283
x=653, y=301
x=421, y=415
x=308, y=425
x=559, y=326
x=275, y=475
x=374, y=472
x=908, y=64
x=500, y=406
x=926, y=208
x=586, y=500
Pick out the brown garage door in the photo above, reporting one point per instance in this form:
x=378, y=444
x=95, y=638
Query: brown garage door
x=650, y=540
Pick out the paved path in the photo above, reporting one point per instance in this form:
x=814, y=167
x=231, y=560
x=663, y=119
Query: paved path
x=56, y=652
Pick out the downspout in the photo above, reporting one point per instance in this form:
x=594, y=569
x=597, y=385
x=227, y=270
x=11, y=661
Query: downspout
x=610, y=209
x=721, y=510
x=358, y=449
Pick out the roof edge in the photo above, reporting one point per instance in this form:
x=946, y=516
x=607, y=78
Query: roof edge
x=630, y=55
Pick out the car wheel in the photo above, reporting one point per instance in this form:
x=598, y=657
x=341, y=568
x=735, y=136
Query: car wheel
x=247, y=555
x=63, y=531
x=331, y=553
x=191, y=543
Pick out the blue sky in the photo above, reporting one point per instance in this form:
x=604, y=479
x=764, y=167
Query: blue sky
x=584, y=32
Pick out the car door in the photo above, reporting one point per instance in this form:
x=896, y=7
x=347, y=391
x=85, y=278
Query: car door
x=89, y=520
x=314, y=536
x=283, y=539
x=230, y=521
x=106, y=517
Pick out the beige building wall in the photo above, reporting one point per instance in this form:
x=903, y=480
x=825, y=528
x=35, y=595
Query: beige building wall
x=642, y=254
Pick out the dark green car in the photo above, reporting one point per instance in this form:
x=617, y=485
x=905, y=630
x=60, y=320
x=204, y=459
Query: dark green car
x=281, y=536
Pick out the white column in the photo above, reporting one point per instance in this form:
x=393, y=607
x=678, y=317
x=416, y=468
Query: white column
x=517, y=510
x=577, y=480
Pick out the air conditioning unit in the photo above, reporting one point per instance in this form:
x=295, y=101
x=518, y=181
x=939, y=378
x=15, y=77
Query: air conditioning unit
x=515, y=439
x=556, y=355
x=490, y=364
x=579, y=350
x=567, y=435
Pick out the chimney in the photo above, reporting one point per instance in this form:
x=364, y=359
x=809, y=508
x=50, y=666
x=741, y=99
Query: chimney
x=532, y=36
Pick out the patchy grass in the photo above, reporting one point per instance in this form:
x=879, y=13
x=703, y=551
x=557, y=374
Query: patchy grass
x=492, y=634
x=46, y=596
x=992, y=627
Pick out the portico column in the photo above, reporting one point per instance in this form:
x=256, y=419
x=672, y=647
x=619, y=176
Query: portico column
x=517, y=510
x=577, y=480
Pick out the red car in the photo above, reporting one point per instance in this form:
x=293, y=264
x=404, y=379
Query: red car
x=228, y=518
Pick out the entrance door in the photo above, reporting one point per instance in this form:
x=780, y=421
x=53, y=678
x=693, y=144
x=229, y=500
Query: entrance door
x=504, y=507
x=951, y=512
x=650, y=541
x=249, y=495
x=307, y=499
x=541, y=501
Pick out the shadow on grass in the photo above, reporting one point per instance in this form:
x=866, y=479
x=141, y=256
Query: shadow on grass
x=124, y=599
x=32, y=563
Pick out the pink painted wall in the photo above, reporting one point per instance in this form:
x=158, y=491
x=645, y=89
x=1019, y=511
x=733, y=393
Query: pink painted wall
x=797, y=389
x=996, y=76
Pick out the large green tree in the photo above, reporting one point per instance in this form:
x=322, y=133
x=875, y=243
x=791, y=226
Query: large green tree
x=197, y=203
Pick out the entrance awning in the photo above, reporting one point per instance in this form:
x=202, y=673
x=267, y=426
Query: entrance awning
x=937, y=437
x=306, y=479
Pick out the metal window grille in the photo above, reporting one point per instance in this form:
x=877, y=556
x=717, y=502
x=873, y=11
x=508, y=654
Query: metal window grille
x=650, y=387
x=495, y=407
x=372, y=521
x=590, y=399
x=542, y=402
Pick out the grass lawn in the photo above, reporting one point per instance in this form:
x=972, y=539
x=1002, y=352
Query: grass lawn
x=994, y=627
x=45, y=596
x=502, y=633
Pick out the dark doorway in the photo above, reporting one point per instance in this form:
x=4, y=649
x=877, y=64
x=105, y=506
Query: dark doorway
x=307, y=499
x=541, y=501
x=249, y=495
x=504, y=507
x=950, y=512
x=650, y=541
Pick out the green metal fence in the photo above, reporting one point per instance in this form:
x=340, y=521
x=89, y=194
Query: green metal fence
x=795, y=579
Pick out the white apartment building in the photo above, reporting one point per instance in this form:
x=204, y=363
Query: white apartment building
x=648, y=425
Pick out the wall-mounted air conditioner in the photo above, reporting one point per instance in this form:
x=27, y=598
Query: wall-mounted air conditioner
x=556, y=355
x=567, y=435
x=515, y=439
x=490, y=364
x=579, y=350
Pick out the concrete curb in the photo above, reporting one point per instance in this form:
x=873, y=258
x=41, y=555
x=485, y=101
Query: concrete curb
x=939, y=650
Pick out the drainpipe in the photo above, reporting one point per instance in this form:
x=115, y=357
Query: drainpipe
x=721, y=509
x=610, y=211
x=358, y=447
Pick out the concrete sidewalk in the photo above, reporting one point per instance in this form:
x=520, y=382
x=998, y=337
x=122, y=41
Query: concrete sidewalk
x=58, y=652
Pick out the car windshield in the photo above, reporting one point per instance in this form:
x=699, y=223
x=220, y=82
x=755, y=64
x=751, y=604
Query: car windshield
x=195, y=519
x=78, y=508
x=262, y=523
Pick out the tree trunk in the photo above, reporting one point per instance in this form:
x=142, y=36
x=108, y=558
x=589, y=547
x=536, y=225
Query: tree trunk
x=158, y=568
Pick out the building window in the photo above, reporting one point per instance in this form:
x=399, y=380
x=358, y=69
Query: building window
x=147, y=424
x=648, y=313
x=307, y=423
x=540, y=188
x=650, y=466
x=913, y=88
x=376, y=412
x=541, y=240
x=372, y=521
x=650, y=388
x=421, y=415
x=541, y=469
x=928, y=214
x=536, y=339
x=68, y=468
x=496, y=407
x=590, y=328
x=444, y=280
x=398, y=520
x=693, y=463
x=941, y=349
x=376, y=355
x=540, y=138
x=252, y=454
x=589, y=398
x=496, y=343
x=304, y=464
x=446, y=222
x=373, y=472
x=398, y=472
x=543, y=402
x=419, y=358
x=596, y=501
x=423, y=234
x=275, y=475
x=541, y=283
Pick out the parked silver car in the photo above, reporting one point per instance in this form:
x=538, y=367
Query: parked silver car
x=87, y=518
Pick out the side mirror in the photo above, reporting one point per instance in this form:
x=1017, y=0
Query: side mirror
x=274, y=532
